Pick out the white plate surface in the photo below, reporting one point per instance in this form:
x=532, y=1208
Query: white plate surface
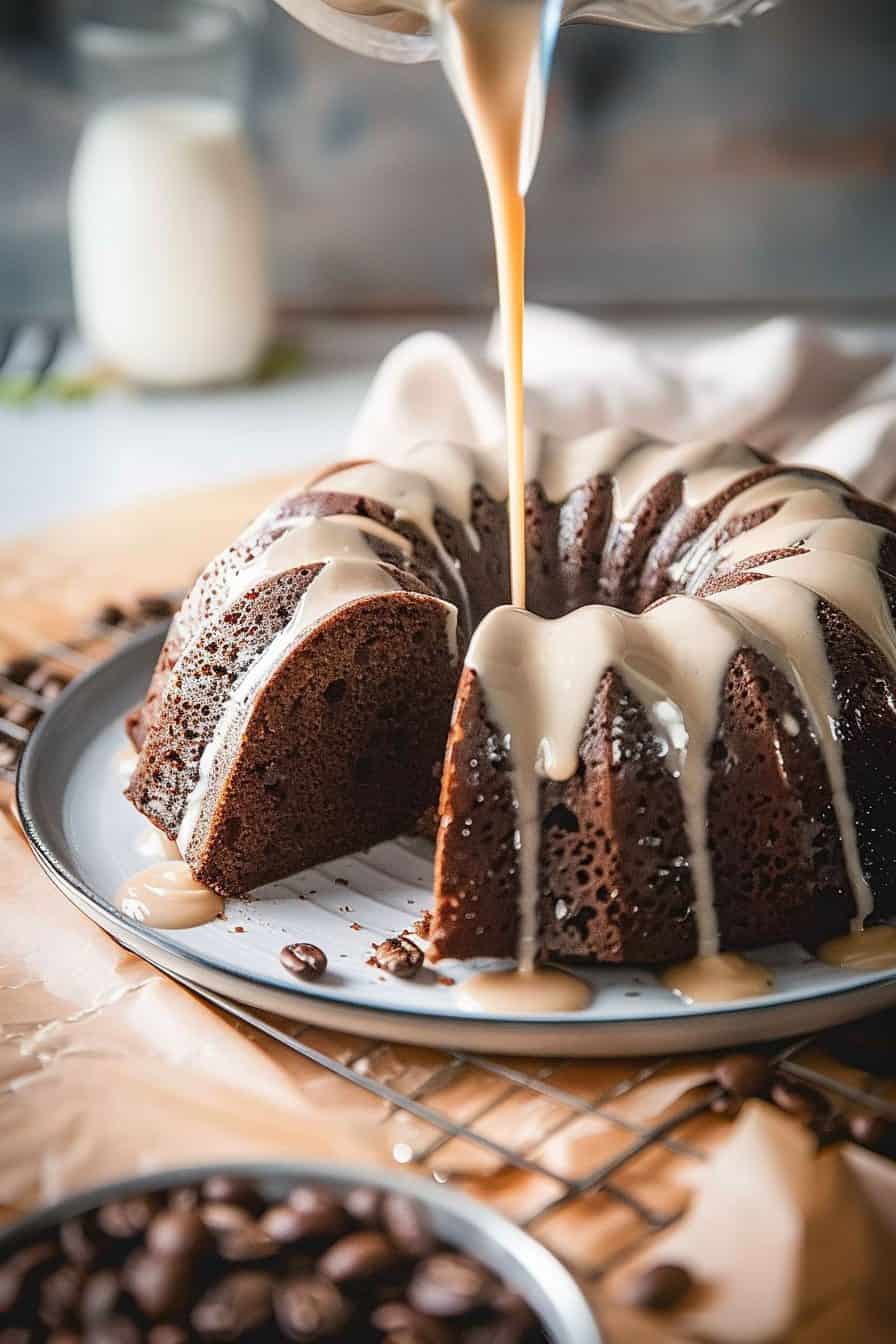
x=85, y=835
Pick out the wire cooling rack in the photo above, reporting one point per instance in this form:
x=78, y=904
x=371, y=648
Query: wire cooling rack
x=593, y=1157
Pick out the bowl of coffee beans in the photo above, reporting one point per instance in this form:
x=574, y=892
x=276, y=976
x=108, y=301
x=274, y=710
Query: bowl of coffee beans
x=255, y=1253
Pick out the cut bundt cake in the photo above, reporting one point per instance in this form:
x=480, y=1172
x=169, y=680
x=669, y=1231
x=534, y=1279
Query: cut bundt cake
x=685, y=745
x=299, y=681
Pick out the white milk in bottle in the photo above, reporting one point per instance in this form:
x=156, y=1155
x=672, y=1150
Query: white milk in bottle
x=168, y=243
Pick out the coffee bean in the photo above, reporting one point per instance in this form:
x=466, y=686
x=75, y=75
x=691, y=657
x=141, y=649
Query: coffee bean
x=321, y=1215
x=222, y=1218
x=224, y=1189
x=516, y=1319
x=303, y=960
x=9, y=753
x=398, y=1320
x=364, y=1204
x=25, y=716
x=659, y=1288
x=407, y=1225
x=103, y=1296
x=234, y=1307
x=247, y=1245
x=158, y=1284
x=168, y=1334
x=872, y=1131
x=311, y=1308
x=47, y=682
x=154, y=606
x=117, y=1330
x=185, y=1197
x=126, y=1218
x=111, y=614
x=802, y=1102
x=744, y=1075
x=400, y=957
x=282, y=1223
x=726, y=1105
x=18, y=669
x=60, y=1294
x=79, y=1241
x=22, y=1274
x=177, y=1232
x=359, y=1256
x=832, y=1127
x=447, y=1285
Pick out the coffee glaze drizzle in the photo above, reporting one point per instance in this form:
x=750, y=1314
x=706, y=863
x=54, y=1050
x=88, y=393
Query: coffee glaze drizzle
x=871, y=949
x=544, y=989
x=167, y=896
x=489, y=50
x=717, y=979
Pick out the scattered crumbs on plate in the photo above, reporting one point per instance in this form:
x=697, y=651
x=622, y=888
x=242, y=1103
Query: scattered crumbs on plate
x=355, y=926
x=237, y=928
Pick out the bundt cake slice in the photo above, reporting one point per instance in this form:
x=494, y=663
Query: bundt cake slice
x=299, y=710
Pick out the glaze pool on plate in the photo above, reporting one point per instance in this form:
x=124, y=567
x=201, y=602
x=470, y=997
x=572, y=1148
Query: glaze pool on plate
x=86, y=835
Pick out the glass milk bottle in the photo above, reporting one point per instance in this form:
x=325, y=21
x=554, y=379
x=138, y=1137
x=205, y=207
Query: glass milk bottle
x=167, y=243
x=166, y=218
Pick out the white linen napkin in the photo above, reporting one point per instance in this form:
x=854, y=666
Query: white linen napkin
x=793, y=388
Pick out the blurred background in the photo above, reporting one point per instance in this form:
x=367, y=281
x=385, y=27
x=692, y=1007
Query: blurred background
x=688, y=186
x=753, y=168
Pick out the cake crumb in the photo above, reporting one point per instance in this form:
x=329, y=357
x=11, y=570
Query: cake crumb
x=423, y=926
x=355, y=926
x=445, y=980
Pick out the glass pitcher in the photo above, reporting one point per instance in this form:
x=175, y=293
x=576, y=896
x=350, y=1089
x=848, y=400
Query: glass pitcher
x=418, y=30
x=400, y=30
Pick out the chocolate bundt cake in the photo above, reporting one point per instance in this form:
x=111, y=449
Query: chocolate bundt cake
x=687, y=743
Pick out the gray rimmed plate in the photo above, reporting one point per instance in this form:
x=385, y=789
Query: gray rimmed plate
x=86, y=836
x=513, y=1255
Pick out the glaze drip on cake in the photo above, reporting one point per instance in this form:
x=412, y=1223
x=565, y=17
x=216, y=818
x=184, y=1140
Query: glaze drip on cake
x=489, y=52
x=307, y=540
x=540, y=679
